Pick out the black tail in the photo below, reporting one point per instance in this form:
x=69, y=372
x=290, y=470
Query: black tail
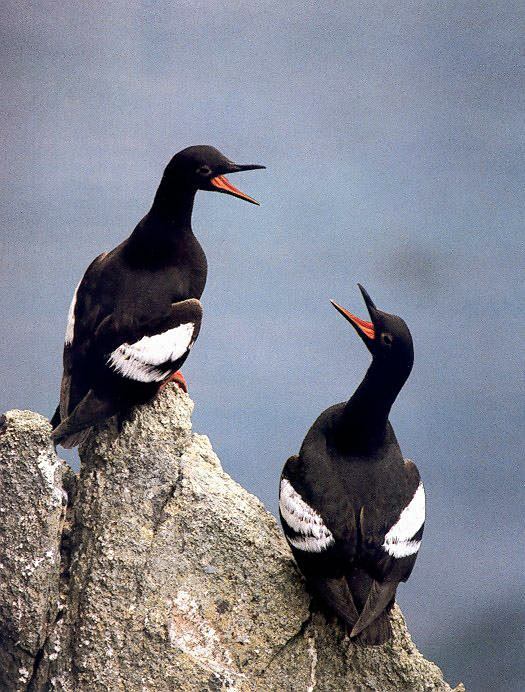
x=75, y=428
x=378, y=632
x=371, y=628
x=336, y=596
x=71, y=440
x=350, y=599
x=380, y=599
x=55, y=421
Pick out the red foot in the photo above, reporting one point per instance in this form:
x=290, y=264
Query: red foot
x=179, y=380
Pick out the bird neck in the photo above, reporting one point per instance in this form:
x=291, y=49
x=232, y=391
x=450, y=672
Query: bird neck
x=158, y=237
x=365, y=416
x=173, y=205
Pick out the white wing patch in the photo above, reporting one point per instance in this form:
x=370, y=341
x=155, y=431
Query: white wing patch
x=70, y=329
x=138, y=361
x=398, y=541
x=315, y=536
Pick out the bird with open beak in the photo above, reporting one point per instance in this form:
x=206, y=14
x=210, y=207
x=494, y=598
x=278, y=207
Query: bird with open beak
x=136, y=312
x=352, y=508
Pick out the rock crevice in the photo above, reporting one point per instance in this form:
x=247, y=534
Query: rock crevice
x=153, y=570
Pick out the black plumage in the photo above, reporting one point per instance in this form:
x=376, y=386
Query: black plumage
x=352, y=508
x=136, y=312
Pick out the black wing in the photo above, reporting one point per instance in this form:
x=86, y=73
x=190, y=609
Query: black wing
x=312, y=544
x=398, y=551
x=84, y=312
x=131, y=361
x=153, y=350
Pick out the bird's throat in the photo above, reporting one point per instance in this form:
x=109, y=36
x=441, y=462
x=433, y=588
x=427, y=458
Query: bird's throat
x=164, y=234
x=365, y=417
x=173, y=205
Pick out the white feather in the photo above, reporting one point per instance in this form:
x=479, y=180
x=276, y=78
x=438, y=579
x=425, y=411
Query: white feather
x=399, y=540
x=309, y=544
x=70, y=329
x=138, y=361
x=299, y=516
x=403, y=549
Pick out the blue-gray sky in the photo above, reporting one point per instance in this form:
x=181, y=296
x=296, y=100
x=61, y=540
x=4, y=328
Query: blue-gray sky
x=392, y=134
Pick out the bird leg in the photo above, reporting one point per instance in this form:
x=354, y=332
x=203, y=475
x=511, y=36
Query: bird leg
x=179, y=380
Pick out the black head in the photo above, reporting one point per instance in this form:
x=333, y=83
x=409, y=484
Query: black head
x=204, y=167
x=386, y=336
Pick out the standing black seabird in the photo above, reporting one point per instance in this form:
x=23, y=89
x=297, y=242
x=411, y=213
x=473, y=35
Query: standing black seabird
x=352, y=508
x=136, y=312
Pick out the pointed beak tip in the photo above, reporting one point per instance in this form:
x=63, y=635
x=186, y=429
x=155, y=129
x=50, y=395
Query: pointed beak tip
x=222, y=184
x=247, y=167
x=364, y=292
x=366, y=297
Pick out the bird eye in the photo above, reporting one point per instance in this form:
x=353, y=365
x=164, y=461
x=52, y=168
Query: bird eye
x=204, y=170
x=387, y=339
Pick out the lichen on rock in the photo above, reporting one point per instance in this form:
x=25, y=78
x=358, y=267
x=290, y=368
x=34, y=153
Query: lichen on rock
x=176, y=578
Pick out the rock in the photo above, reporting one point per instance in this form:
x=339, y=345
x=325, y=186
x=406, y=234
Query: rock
x=32, y=510
x=179, y=579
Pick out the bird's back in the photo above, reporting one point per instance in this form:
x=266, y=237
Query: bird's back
x=127, y=288
x=359, y=493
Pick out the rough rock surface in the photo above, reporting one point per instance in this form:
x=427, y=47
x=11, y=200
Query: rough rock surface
x=32, y=509
x=173, y=576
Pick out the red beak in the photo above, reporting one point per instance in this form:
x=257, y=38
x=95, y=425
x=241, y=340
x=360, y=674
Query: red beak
x=222, y=183
x=366, y=328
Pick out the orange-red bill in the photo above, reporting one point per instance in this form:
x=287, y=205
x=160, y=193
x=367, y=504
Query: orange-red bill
x=367, y=328
x=221, y=182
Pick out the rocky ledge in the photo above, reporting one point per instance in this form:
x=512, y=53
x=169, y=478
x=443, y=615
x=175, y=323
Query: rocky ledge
x=153, y=570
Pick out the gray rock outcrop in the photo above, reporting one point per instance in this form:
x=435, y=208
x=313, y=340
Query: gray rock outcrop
x=32, y=513
x=163, y=574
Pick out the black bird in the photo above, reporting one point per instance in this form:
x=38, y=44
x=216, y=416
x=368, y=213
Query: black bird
x=352, y=508
x=136, y=313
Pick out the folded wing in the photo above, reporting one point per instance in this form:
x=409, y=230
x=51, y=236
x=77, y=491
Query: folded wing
x=152, y=358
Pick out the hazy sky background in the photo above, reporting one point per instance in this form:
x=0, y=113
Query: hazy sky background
x=391, y=133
